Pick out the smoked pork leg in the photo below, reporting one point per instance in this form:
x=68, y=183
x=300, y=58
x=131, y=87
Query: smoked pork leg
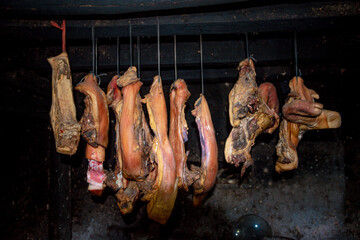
x=63, y=112
x=301, y=113
x=164, y=190
x=94, y=129
x=209, y=150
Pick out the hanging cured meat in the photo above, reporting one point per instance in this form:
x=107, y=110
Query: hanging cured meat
x=63, y=112
x=135, y=137
x=115, y=179
x=178, y=131
x=252, y=110
x=164, y=189
x=209, y=150
x=94, y=129
x=301, y=113
x=202, y=178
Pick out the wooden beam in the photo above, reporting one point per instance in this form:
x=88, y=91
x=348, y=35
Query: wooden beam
x=283, y=17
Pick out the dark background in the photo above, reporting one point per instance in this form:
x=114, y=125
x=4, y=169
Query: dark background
x=45, y=194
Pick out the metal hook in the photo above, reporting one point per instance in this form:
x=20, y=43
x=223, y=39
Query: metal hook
x=175, y=62
x=158, y=43
x=201, y=65
x=99, y=77
x=138, y=55
x=130, y=34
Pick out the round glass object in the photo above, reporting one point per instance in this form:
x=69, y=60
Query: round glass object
x=251, y=227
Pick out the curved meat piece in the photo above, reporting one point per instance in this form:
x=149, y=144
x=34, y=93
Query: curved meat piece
x=94, y=129
x=63, y=112
x=301, y=113
x=95, y=120
x=243, y=98
x=115, y=179
x=209, y=150
x=164, y=190
x=267, y=92
x=135, y=137
x=178, y=131
x=260, y=114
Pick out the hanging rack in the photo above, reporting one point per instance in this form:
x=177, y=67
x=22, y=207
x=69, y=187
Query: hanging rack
x=138, y=54
x=158, y=43
x=201, y=66
x=130, y=34
x=175, y=62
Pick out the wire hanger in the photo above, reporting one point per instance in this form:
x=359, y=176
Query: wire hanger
x=130, y=35
x=158, y=43
x=117, y=56
x=296, y=56
x=201, y=66
x=175, y=61
x=138, y=55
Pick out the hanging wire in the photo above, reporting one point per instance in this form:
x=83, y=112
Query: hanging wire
x=138, y=55
x=96, y=57
x=201, y=66
x=296, y=57
x=247, y=45
x=158, y=43
x=130, y=34
x=93, y=48
x=175, y=62
x=118, y=56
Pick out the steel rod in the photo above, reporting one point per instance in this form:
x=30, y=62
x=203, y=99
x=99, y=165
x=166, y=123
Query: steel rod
x=296, y=56
x=158, y=44
x=175, y=61
x=96, y=56
x=130, y=34
x=201, y=65
x=118, y=56
x=138, y=55
x=93, y=48
x=247, y=45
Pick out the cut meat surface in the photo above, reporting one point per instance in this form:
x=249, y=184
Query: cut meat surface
x=94, y=129
x=63, y=112
x=252, y=111
x=301, y=113
x=209, y=150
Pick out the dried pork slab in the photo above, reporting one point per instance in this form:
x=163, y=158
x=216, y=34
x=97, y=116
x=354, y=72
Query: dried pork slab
x=178, y=132
x=301, y=113
x=164, y=190
x=135, y=137
x=252, y=110
x=243, y=98
x=209, y=150
x=63, y=112
x=115, y=179
x=94, y=129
